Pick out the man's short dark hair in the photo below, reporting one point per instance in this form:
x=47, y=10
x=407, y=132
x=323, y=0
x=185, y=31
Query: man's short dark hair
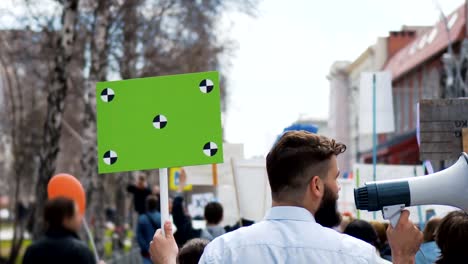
x=192, y=251
x=213, y=213
x=295, y=159
x=57, y=210
x=152, y=203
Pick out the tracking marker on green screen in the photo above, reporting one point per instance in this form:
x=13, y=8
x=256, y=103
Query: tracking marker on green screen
x=159, y=122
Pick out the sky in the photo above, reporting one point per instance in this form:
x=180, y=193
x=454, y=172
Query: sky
x=279, y=72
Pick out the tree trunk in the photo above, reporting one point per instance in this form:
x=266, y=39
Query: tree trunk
x=95, y=188
x=55, y=109
x=130, y=38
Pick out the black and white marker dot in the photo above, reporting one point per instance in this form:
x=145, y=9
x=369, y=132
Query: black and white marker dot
x=110, y=157
x=160, y=122
x=107, y=95
x=206, y=86
x=210, y=149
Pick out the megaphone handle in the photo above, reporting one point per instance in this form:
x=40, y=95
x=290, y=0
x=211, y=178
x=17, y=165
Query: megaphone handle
x=392, y=213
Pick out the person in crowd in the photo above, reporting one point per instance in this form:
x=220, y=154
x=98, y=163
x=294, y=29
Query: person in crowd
x=192, y=251
x=452, y=238
x=182, y=220
x=429, y=251
x=302, y=172
x=156, y=190
x=364, y=231
x=148, y=223
x=213, y=217
x=382, y=243
x=140, y=191
x=60, y=243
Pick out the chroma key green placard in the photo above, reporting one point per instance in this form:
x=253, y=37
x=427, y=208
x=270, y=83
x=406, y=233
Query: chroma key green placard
x=159, y=122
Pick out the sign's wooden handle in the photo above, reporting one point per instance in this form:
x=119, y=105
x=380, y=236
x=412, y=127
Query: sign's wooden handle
x=465, y=139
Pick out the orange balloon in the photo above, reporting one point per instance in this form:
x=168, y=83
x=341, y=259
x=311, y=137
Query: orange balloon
x=65, y=185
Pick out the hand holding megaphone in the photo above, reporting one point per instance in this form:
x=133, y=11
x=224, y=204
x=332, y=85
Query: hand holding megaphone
x=447, y=187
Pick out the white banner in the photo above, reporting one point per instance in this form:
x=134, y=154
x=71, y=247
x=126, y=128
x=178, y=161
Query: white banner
x=203, y=174
x=253, y=189
x=384, y=103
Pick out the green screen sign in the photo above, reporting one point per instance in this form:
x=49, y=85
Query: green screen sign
x=159, y=122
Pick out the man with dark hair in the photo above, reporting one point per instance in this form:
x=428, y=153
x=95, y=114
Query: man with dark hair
x=191, y=252
x=148, y=223
x=302, y=172
x=61, y=243
x=140, y=191
x=213, y=217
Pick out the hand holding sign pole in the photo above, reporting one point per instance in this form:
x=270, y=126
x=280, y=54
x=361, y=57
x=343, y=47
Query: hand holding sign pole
x=159, y=122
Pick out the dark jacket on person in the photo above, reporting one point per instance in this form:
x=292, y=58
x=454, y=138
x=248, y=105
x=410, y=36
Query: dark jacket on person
x=148, y=223
x=183, y=222
x=59, y=246
x=139, y=197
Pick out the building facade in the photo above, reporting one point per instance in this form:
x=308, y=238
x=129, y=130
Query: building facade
x=372, y=59
x=338, y=120
x=415, y=58
x=418, y=73
x=344, y=80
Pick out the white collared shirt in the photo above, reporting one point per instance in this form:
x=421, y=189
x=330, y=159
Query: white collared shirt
x=287, y=235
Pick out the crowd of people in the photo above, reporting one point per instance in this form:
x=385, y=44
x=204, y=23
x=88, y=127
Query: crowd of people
x=302, y=226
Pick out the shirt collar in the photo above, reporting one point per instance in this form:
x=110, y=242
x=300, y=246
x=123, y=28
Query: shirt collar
x=289, y=213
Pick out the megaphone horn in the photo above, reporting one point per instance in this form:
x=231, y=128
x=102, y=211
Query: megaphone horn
x=446, y=187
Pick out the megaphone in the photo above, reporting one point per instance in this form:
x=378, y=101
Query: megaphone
x=446, y=187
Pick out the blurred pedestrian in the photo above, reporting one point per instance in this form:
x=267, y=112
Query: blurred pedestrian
x=156, y=190
x=140, y=191
x=191, y=252
x=60, y=243
x=452, y=238
x=148, y=223
x=182, y=220
x=213, y=218
x=363, y=230
x=429, y=251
